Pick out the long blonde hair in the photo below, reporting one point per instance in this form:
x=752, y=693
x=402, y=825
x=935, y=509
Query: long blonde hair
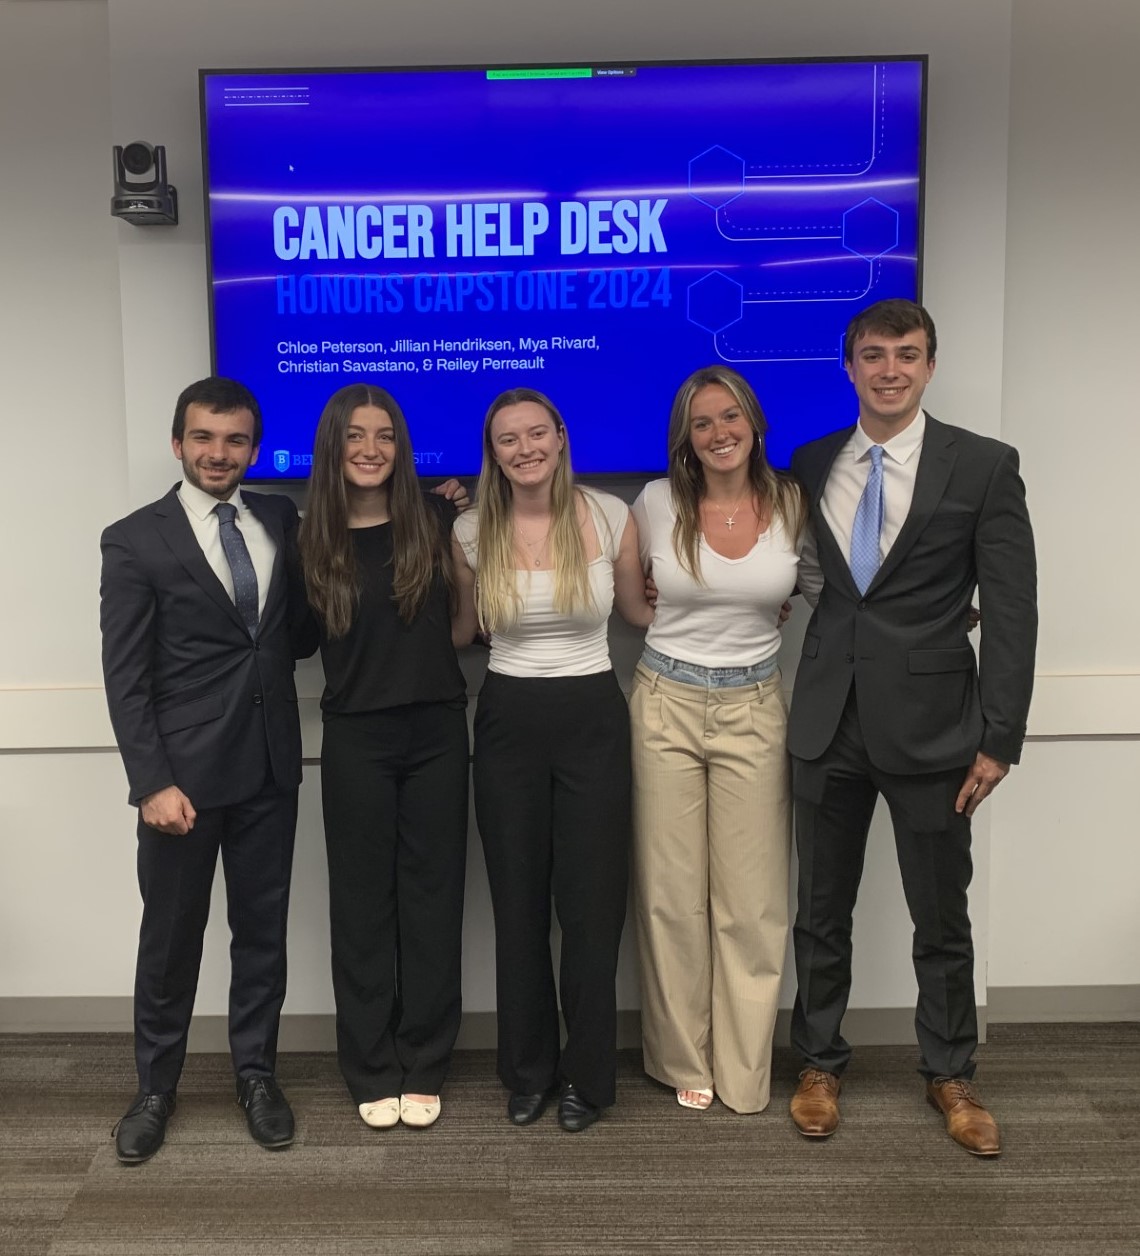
x=499, y=602
x=777, y=490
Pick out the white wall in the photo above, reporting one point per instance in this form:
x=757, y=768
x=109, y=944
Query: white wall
x=96, y=443
x=1066, y=862
x=61, y=349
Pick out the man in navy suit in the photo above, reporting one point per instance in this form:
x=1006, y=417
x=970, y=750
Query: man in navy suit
x=909, y=517
x=203, y=613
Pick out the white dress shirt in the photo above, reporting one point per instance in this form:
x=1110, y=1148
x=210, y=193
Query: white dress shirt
x=199, y=507
x=845, y=484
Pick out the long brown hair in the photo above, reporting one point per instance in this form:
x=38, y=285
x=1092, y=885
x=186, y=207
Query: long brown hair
x=774, y=489
x=419, y=546
x=499, y=602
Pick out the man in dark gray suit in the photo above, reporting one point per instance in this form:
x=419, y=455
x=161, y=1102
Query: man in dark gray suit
x=203, y=612
x=909, y=517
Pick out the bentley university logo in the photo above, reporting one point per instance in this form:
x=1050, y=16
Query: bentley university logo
x=281, y=460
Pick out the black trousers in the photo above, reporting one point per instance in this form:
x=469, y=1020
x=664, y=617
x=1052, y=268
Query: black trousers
x=834, y=799
x=176, y=875
x=552, y=798
x=394, y=792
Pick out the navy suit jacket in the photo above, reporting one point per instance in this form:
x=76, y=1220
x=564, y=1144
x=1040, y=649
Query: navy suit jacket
x=923, y=706
x=194, y=701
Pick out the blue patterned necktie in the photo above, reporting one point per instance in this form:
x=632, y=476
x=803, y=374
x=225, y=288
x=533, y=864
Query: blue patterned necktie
x=868, y=527
x=241, y=565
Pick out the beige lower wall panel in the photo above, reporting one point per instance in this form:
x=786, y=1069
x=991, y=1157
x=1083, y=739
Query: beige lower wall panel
x=1064, y=868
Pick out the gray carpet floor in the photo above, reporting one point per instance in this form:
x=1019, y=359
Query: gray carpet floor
x=648, y=1178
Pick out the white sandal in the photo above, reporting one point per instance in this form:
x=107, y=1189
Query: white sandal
x=706, y=1096
x=381, y=1114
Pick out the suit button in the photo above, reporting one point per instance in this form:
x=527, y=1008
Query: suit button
x=850, y=658
x=862, y=606
x=257, y=699
x=257, y=644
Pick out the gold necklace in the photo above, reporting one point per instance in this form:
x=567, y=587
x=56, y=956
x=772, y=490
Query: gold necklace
x=729, y=520
x=541, y=542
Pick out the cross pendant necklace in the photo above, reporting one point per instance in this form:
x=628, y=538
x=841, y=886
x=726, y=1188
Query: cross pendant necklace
x=730, y=520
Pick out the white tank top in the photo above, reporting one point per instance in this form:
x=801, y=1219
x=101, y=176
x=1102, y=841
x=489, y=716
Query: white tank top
x=544, y=641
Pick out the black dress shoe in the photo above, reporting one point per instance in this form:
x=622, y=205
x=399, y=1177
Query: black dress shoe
x=267, y=1112
x=574, y=1113
x=526, y=1109
x=141, y=1131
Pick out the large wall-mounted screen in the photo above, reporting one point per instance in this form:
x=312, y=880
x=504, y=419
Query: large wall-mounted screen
x=595, y=232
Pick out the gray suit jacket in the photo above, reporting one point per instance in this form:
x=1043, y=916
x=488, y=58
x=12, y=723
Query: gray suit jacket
x=923, y=706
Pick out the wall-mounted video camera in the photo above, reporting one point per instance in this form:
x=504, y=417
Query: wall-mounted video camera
x=142, y=194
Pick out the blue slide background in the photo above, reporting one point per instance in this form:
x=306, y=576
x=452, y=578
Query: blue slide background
x=793, y=200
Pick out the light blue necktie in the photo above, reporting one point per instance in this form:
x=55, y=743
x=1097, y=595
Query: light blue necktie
x=241, y=565
x=868, y=526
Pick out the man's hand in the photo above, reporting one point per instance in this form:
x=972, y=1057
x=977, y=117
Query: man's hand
x=651, y=592
x=973, y=618
x=785, y=612
x=455, y=493
x=168, y=811
x=984, y=776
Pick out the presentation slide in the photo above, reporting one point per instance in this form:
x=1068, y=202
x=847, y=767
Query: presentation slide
x=593, y=232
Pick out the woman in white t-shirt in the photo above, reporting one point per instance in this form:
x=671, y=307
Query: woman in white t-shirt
x=712, y=814
x=551, y=766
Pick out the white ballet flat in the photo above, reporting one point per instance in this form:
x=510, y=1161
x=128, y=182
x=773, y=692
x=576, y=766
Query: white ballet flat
x=420, y=1115
x=381, y=1114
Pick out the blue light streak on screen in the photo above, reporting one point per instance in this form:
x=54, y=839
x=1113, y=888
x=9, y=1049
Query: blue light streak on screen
x=596, y=238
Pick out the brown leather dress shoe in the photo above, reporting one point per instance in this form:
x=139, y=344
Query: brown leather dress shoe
x=815, y=1105
x=967, y=1121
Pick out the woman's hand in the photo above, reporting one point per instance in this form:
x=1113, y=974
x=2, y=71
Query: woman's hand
x=454, y=492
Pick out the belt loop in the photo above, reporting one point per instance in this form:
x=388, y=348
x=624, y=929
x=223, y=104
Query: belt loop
x=656, y=677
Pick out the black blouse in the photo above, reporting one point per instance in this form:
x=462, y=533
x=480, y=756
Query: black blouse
x=382, y=661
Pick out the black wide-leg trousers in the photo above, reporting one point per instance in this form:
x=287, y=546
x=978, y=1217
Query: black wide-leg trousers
x=552, y=800
x=394, y=791
x=176, y=876
x=834, y=800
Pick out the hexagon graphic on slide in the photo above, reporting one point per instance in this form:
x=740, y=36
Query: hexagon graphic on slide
x=716, y=177
x=715, y=302
x=870, y=228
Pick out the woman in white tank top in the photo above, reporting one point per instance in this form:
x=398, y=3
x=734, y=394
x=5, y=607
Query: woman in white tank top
x=551, y=765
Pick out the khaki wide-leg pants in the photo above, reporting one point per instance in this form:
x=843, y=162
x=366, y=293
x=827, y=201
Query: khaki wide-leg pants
x=711, y=840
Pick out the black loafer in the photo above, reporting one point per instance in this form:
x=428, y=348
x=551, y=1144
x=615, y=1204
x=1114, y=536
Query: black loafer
x=142, y=1129
x=574, y=1113
x=267, y=1112
x=526, y=1109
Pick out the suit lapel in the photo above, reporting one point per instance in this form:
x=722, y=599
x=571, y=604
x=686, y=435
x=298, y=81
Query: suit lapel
x=936, y=462
x=175, y=530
